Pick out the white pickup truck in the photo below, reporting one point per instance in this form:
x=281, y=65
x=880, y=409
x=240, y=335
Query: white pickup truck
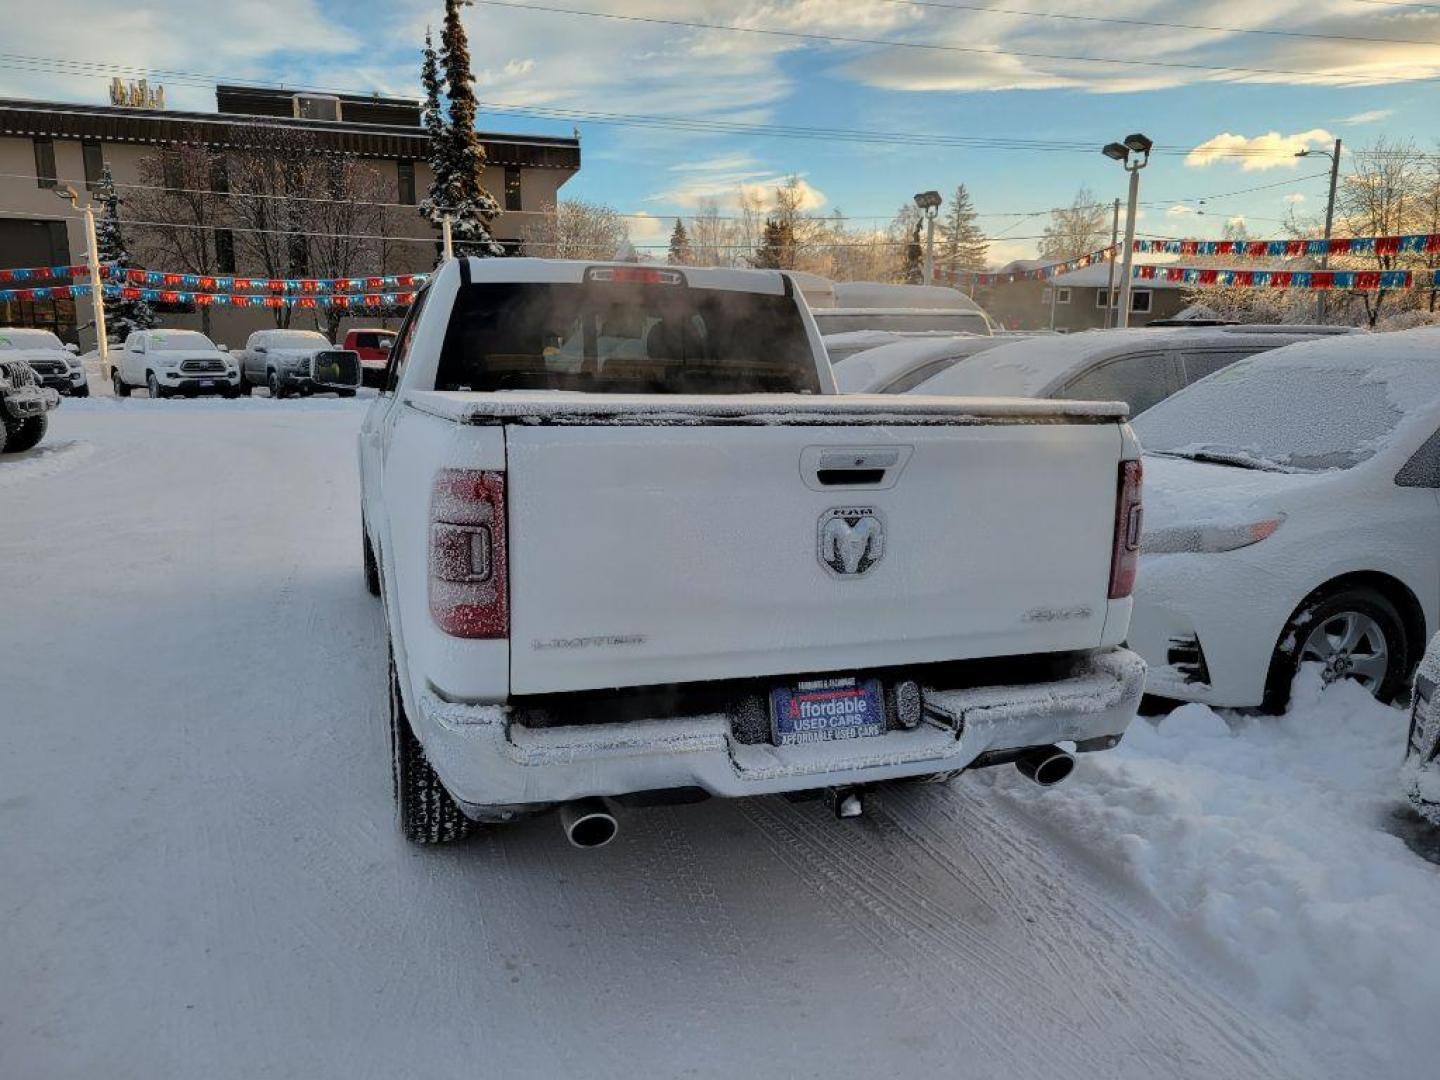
x=634, y=548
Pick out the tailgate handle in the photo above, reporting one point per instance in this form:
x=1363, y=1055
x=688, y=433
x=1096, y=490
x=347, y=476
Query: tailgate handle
x=876, y=467
x=842, y=477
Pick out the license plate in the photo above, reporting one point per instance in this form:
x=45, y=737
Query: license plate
x=827, y=709
x=206, y=384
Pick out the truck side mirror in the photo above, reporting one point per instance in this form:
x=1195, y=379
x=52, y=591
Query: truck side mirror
x=385, y=345
x=72, y=349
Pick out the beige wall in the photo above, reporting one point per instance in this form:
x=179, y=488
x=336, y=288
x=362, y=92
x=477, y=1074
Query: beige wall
x=21, y=195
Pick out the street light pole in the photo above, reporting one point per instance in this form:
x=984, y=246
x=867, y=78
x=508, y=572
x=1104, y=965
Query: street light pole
x=1321, y=297
x=97, y=287
x=1114, y=250
x=1139, y=145
x=929, y=205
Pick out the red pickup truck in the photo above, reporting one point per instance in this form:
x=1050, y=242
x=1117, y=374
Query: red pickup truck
x=374, y=349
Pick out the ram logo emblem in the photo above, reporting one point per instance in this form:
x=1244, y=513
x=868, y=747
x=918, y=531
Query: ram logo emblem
x=852, y=539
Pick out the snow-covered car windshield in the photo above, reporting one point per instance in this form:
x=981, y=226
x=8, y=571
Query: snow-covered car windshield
x=178, y=340
x=298, y=339
x=1312, y=411
x=29, y=339
x=619, y=338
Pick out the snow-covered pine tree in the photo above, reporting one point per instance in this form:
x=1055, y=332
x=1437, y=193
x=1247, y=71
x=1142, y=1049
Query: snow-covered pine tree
x=680, y=253
x=460, y=161
x=432, y=119
x=122, y=317
x=966, y=246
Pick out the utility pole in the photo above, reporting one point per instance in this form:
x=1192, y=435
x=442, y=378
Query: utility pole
x=1329, y=225
x=1114, y=251
x=92, y=260
x=449, y=249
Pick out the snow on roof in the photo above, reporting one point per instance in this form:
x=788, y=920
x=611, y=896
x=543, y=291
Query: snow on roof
x=873, y=369
x=1097, y=276
x=1030, y=367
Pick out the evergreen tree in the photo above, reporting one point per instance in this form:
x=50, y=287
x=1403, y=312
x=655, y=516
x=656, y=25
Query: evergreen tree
x=914, y=269
x=432, y=119
x=680, y=253
x=965, y=246
x=457, y=158
x=776, y=250
x=122, y=317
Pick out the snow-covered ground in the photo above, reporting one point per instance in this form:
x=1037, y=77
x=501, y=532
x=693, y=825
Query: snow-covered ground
x=201, y=875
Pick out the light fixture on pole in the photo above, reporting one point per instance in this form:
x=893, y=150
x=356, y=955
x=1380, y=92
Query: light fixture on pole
x=1137, y=146
x=92, y=260
x=1321, y=298
x=929, y=204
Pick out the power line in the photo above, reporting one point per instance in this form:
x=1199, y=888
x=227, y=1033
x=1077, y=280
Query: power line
x=701, y=125
x=1118, y=21
x=928, y=46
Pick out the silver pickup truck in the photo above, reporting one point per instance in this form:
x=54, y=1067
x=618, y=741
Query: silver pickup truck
x=635, y=548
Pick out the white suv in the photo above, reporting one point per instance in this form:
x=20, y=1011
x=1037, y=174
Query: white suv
x=167, y=362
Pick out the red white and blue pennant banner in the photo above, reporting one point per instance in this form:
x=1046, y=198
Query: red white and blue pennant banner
x=156, y=279
x=1316, y=280
x=1415, y=244
x=206, y=299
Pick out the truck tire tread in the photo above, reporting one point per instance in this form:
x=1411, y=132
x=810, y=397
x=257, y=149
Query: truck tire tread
x=426, y=812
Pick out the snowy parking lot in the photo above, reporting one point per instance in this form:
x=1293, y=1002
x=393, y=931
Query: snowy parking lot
x=203, y=877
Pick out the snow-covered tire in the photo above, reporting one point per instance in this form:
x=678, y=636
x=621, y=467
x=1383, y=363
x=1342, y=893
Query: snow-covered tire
x=1329, y=605
x=246, y=389
x=372, y=567
x=344, y=393
x=152, y=384
x=122, y=388
x=22, y=435
x=426, y=812
x=81, y=391
x=277, y=388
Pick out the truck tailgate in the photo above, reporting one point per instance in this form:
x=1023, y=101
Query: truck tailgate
x=646, y=553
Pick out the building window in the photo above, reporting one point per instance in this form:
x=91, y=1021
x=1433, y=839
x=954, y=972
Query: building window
x=1102, y=298
x=405, y=174
x=172, y=170
x=45, y=163
x=1062, y=296
x=224, y=251
x=94, y=159
x=512, y=187
x=1140, y=301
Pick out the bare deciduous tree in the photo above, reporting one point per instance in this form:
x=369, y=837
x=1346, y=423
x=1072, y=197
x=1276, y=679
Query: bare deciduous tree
x=574, y=229
x=1077, y=229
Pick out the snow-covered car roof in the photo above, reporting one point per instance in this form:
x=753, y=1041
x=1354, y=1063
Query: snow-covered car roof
x=1033, y=367
x=875, y=370
x=28, y=339
x=880, y=294
x=850, y=342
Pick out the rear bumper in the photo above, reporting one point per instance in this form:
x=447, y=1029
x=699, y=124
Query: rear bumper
x=489, y=761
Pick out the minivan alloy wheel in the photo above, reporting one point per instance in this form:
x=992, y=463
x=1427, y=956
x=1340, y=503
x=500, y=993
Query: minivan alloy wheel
x=1350, y=645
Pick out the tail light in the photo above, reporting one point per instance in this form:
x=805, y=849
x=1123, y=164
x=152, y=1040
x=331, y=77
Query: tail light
x=469, y=571
x=1127, y=531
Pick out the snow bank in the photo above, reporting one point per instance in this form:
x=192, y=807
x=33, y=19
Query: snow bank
x=47, y=459
x=1265, y=842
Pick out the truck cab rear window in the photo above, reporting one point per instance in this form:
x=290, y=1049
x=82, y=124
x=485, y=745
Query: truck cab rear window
x=603, y=337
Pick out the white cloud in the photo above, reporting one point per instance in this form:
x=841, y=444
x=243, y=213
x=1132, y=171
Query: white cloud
x=1295, y=198
x=1256, y=153
x=1372, y=116
x=1180, y=210
x=647, y=228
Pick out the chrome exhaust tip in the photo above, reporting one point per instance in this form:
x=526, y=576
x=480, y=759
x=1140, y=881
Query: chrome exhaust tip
x=588, y=823
x=1046, y=765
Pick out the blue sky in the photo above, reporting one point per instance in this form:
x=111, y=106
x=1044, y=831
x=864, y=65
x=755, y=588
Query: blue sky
x=1332, y=85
